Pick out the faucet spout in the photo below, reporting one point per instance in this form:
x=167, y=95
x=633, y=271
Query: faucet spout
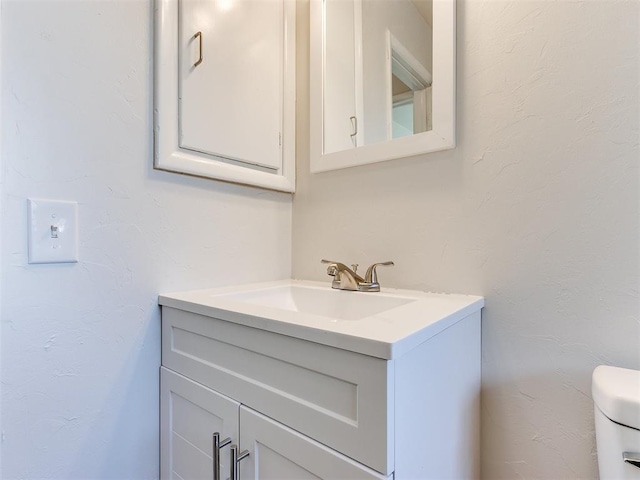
x=343, y=277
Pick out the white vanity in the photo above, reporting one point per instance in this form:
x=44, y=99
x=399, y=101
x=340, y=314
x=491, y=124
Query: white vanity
x=319, y=383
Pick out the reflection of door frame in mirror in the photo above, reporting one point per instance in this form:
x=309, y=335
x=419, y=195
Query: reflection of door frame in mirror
x=419, y=111
x=402, y=64
x=442, y=134
x=169, y=155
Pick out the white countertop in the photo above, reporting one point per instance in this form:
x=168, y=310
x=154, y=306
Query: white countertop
x=407, y=319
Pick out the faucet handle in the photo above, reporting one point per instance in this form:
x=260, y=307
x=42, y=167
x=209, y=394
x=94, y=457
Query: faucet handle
x=334, y=265
x=371, y=276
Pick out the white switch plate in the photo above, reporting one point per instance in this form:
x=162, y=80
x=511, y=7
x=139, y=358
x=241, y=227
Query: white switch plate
x=53, y=231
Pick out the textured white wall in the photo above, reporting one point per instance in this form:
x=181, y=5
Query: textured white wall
x=537, y=209
x=81, y=343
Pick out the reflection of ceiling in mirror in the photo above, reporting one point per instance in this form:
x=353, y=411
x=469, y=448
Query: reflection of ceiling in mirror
x=398, y=86
x=425, y=8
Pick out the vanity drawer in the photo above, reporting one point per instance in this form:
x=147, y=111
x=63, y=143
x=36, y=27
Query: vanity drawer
x=339, y=398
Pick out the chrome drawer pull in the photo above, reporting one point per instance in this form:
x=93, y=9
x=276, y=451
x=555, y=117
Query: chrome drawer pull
x=632, y=458
x=217, y=445
x=235, y=459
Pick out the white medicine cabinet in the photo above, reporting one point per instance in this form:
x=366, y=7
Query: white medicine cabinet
x=224, y=90
x=382, y=80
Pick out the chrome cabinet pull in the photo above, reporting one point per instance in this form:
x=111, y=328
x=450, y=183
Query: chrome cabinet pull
x=235, y=459
x=632, y=458
x=198, y=35
x=217, y=445
x=354, y=124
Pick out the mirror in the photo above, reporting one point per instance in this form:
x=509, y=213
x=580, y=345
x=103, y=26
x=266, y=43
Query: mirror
x=382, y=80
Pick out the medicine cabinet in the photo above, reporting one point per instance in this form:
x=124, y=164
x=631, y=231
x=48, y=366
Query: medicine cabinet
x=224, y=90
x=382, y=80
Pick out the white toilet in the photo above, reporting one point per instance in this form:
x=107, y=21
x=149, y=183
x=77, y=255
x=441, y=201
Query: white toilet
x=616, y=394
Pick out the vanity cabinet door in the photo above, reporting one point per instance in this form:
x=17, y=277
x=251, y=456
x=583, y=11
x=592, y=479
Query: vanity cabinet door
x=277, y=452
x=190, y=414
x=232, y=79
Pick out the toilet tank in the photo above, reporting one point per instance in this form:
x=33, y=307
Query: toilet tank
x=616, y=395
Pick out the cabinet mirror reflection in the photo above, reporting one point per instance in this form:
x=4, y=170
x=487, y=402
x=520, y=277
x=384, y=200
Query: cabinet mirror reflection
x=377, y=77
x=382, y=80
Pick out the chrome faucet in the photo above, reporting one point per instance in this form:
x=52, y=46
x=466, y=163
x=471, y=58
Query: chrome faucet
x=345, y=278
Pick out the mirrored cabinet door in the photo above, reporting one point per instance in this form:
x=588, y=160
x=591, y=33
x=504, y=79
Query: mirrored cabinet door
x=382, y=80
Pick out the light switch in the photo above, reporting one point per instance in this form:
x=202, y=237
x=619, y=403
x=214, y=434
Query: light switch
x=53, y=231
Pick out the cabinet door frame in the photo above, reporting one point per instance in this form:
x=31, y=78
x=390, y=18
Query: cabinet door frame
x=212, y=402
x=169, y=156
x=259, y=434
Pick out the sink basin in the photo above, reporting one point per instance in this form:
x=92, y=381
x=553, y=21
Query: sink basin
x=334, y=304
x=383, y=324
